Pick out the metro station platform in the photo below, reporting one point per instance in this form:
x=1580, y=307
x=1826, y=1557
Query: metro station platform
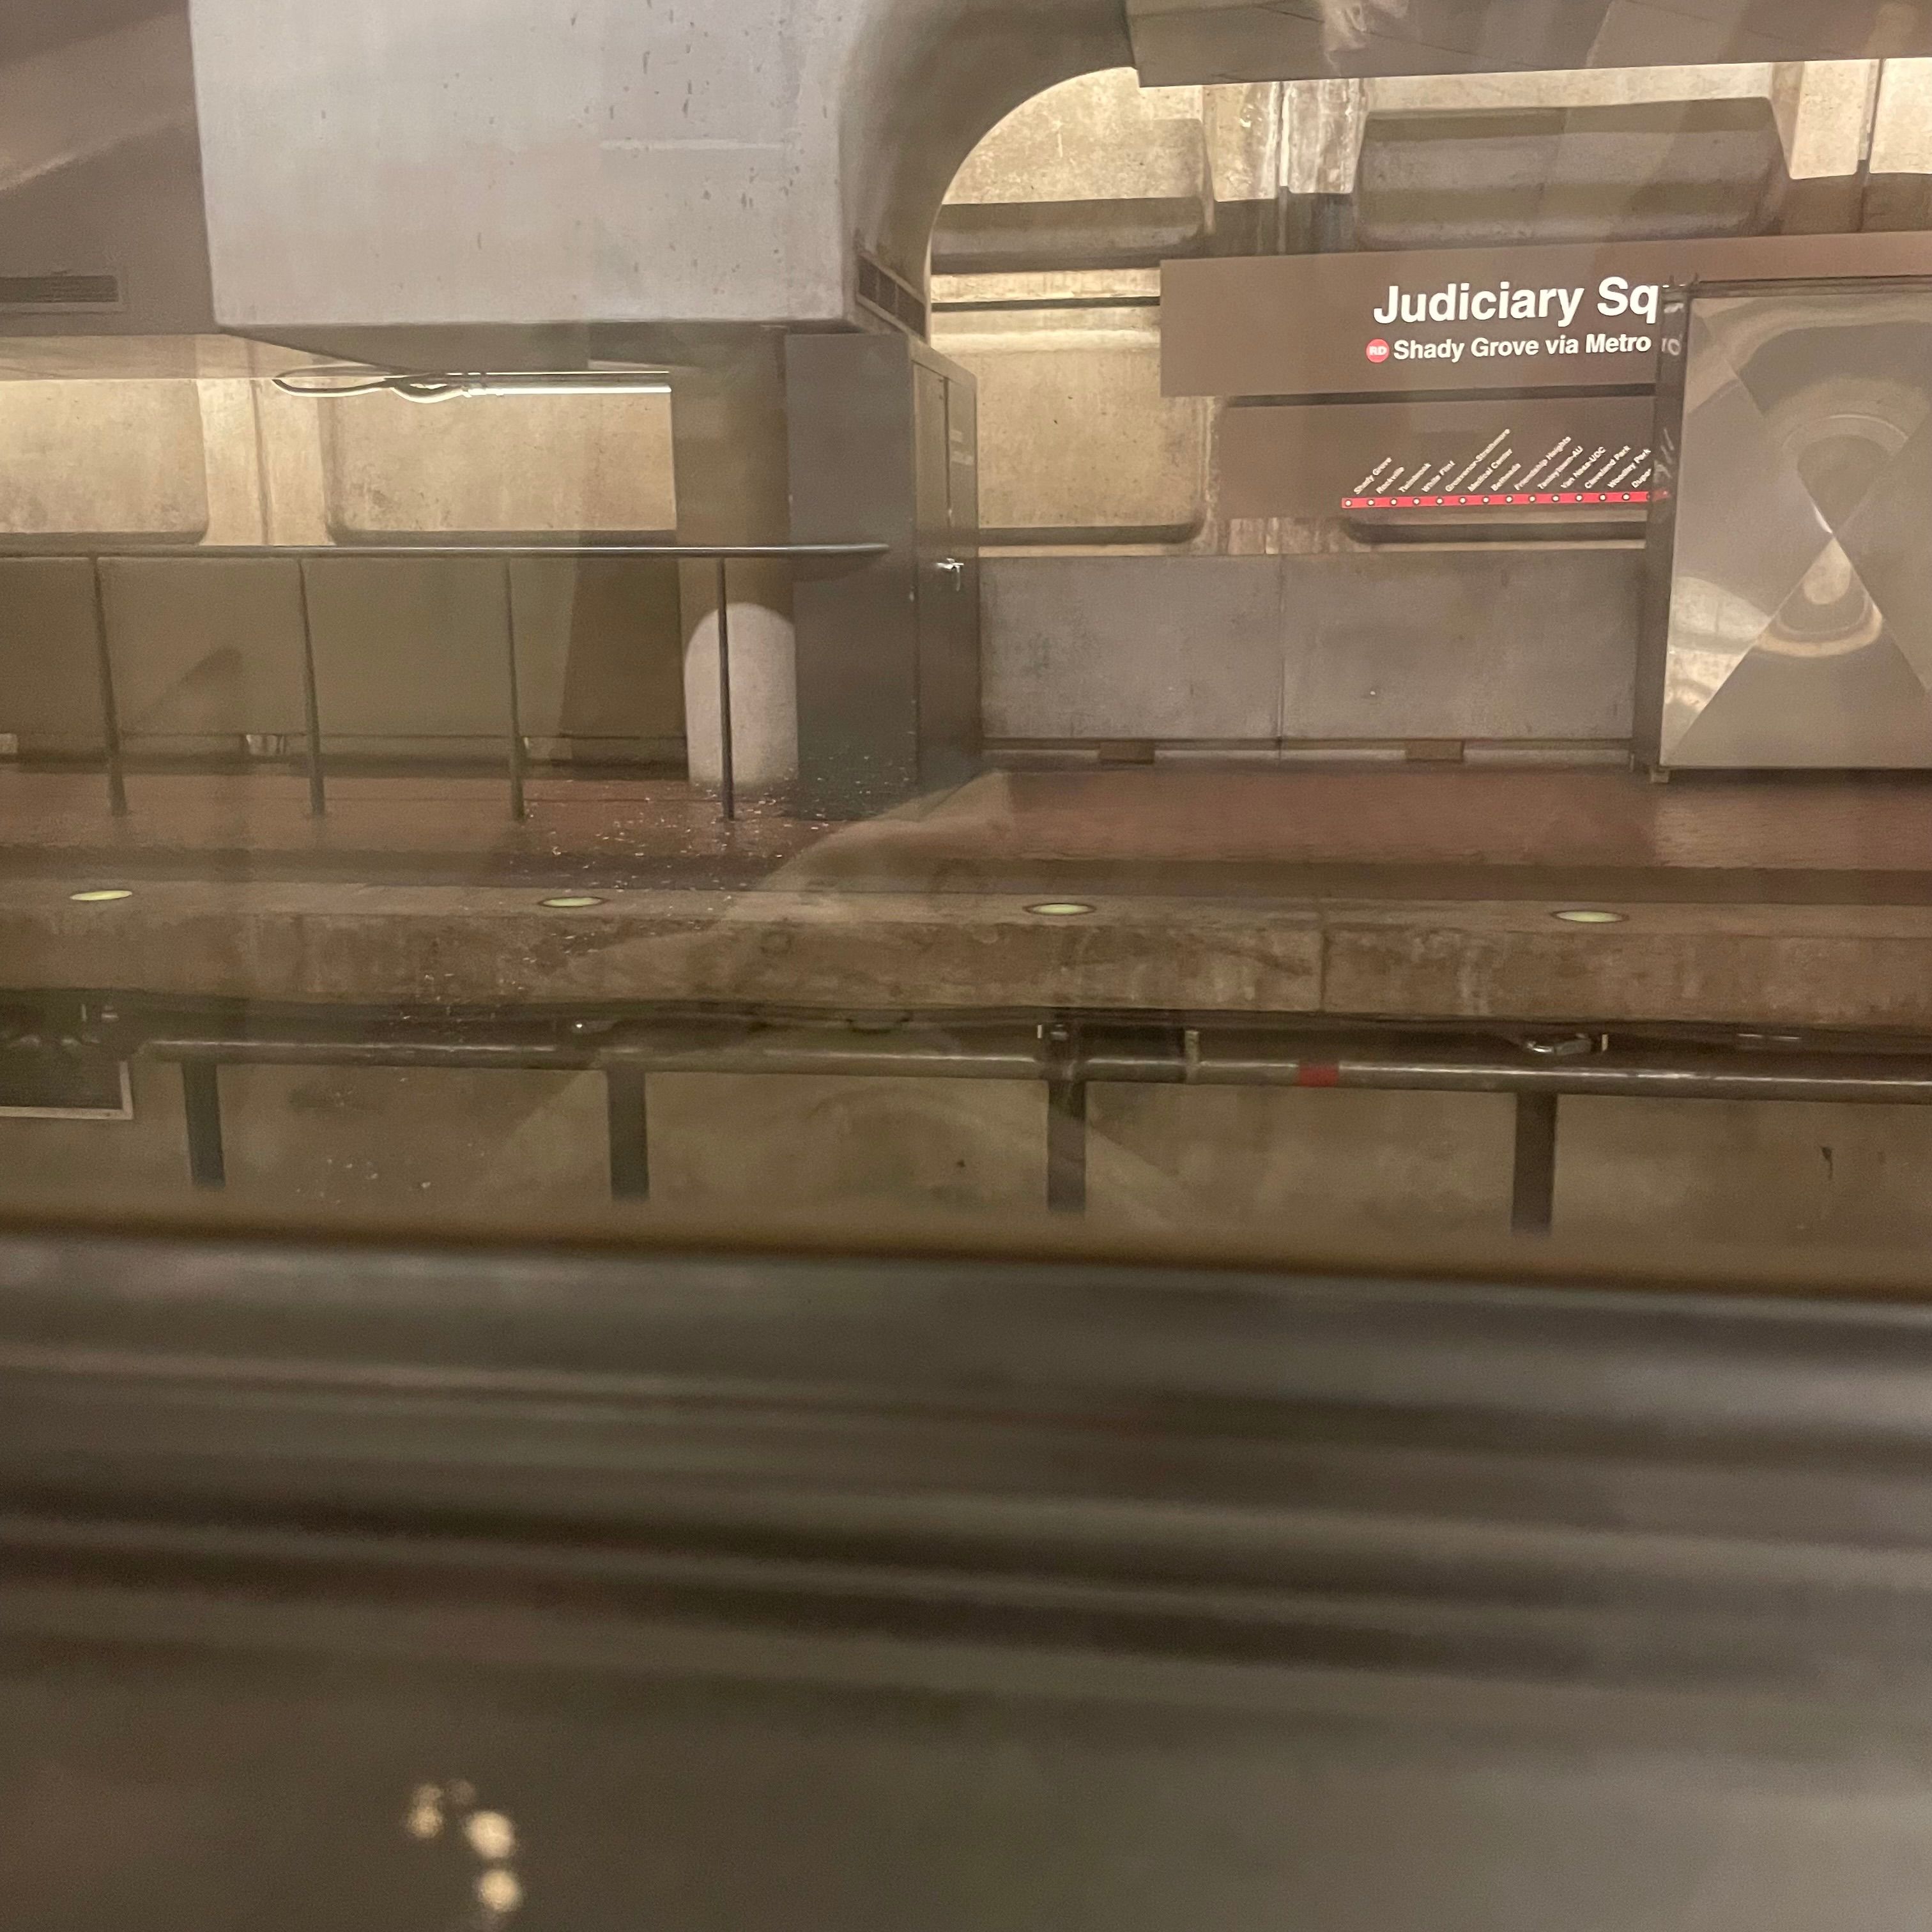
x=1411, y=893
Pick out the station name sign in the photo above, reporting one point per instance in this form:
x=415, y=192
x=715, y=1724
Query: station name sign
x=1552, y=312
x=1455, y=321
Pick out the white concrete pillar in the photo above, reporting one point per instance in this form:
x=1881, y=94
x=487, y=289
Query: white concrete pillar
x=729, y=436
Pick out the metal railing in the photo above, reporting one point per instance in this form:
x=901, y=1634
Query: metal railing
x=723, y=555
x=1069, y=1055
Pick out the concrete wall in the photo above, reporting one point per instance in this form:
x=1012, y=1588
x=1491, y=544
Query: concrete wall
x=1473, y=644
x=498, y=465
x=1078, y=448
x=102, y=459
x=411, y=658
x=1077, y=444
x=1296, y=1167
x=1101, y=137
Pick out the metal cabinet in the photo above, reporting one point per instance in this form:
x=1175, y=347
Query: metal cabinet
x=884, y=446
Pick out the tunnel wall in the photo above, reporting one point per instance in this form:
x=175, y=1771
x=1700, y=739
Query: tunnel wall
x=1536, y=646
x=1258, y=1161
x=1186, y=648
x=411, y=656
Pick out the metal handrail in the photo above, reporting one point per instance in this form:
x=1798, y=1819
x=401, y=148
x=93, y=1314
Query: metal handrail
x=1069, y=1055
x=729, y=553
x=723, y=555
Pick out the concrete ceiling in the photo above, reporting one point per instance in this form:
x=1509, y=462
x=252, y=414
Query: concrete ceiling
x=29, y=27
x=100, y=166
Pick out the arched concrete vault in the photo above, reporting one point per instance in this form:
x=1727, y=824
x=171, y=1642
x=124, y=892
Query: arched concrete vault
x=935, y=78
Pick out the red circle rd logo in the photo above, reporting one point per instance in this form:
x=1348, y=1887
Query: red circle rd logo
x=1379, y=350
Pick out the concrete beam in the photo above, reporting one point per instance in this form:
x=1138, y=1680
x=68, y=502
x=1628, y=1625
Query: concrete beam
x=1803, y=965
x=1824, y=110
x=1179, y=42
x=516, y=163
x=465, y=946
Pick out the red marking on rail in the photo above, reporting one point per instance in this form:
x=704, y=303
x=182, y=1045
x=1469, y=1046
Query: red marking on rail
x=1312, y=1073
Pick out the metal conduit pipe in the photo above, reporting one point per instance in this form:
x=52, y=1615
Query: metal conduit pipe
x=1014, y=1054
x=1160, y=1057
x=1779, y=1077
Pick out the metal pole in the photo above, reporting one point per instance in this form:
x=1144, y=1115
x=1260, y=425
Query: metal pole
x=630, y=1134
x=201, y=1095
x=1066, y=1147
x=318, y=795
x=1533, y=1202
x=728, y=790
x=1012, y=1051
x=519, y=809
x=110, y=713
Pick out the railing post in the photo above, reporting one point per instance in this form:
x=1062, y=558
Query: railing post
x=1066, y=1147
x=318, y=793
x=110, y=711
x=1533, y=1199
x=519, y=807
x=630, y=1133
x=201, y=1096
x=1065, y=1120
x=727, y=779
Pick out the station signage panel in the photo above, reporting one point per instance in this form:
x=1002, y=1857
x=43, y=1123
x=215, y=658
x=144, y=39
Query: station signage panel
x=1478, y=462
x=1449, y=388
x=1458, y=321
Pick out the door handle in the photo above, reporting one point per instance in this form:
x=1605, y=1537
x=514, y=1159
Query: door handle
x=954, y=569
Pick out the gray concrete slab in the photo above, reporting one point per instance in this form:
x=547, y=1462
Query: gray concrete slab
x=460, y=945
x=366, y=1140
x=1491, y=646
x=1301, y=1164
x=1472, y=644
x=1132, y=647
x=206, y=648
x=781, y=1143
x=49, y=659
x=1733, y=1171
x=1808, y=965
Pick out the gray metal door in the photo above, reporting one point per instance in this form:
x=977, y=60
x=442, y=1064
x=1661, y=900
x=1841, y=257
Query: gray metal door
x=946, y=471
